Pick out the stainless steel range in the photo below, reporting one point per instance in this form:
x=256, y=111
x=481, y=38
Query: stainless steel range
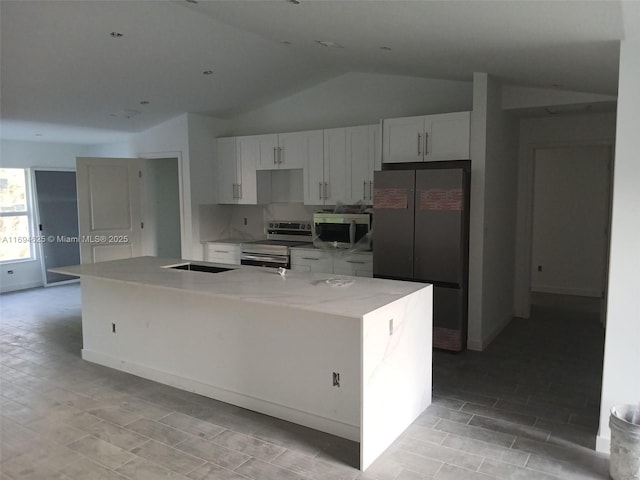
x=274, y=251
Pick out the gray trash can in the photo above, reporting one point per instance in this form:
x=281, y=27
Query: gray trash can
x=624, y=422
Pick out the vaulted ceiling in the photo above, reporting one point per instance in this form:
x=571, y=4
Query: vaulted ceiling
x=88, y=66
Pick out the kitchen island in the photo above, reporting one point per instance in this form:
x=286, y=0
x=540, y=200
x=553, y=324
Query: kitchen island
x=344, y=355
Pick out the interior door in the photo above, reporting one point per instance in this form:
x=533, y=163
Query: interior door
x=58, y=219
x=109, y=210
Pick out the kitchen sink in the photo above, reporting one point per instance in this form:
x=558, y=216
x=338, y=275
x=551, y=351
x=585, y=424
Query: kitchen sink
x=197, y=267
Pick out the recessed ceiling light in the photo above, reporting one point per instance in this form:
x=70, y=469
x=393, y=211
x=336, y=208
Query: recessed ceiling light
x=116, y=34
x=295, y=2
x=208, y=72
x=285, y=42
x=191, y=1
x=385, y=48
x=328, y=43
x=145, y=102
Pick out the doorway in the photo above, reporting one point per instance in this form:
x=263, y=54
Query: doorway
x=136, y=200
x=160, y=202
x=571, y=214
x=57, y=215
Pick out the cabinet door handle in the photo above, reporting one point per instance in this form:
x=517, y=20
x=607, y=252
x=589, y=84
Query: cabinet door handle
x=280, y=155
x=426, y=143
x=233, y=190
x=419, y=144
x=370, y=189
x=320, y=190
x=239, y=190
x=275, y=162
x=364, y=189
x=326, y=190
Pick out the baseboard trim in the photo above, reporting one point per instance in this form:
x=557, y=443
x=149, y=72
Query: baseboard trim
x=578, y=292
x=22, y=286
x=480, y=345
x=328, y=425
x=603, y=444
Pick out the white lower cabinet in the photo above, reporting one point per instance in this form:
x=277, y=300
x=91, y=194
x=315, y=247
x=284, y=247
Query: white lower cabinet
x=218, y=252
x=356, y=264
x=359, y=264
x=310, y=260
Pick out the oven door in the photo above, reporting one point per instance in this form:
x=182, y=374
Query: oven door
x=258, y=260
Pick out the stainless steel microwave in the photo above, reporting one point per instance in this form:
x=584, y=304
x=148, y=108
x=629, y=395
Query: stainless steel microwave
x=342, y=230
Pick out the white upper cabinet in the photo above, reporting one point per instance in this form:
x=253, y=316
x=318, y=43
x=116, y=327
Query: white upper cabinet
x=345, y=175
x=269, y=153
x=237, y=176
x=227, y=170
x=426, y=138
x=332, y=181
x=285, y=150
x=363, y=157
x=299, y=149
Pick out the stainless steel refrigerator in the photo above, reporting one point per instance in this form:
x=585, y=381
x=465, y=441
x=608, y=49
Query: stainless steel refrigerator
x=421, y=233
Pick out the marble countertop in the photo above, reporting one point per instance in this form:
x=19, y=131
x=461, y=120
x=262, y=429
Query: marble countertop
x=307, y=291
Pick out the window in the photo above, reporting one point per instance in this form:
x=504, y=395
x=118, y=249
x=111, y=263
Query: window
x=15, y=216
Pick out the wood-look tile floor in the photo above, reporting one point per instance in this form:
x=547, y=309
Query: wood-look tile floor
x=526, y=408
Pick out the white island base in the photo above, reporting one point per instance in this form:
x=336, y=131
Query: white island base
x=352, y=361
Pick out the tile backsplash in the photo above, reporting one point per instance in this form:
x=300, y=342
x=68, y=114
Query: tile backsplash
x=246, y=222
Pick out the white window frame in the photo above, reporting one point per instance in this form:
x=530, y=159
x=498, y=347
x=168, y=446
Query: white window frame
x=29, y=213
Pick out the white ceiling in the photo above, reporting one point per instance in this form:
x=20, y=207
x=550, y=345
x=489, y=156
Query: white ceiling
x=64, y=77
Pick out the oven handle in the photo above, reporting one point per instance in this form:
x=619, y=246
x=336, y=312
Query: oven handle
x=264, y=258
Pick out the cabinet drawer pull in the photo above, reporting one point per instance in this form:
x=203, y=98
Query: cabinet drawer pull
x=222, y=251
x=309, y=258
x=355, y=261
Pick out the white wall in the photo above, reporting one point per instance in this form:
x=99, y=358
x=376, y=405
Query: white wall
x=203, y=131
x=550, y=131
x=570, y=220
x=501, y=173
x=493, y=197
x=622, y=343
x=356, y=99
x=18, y=154
x=478, y=153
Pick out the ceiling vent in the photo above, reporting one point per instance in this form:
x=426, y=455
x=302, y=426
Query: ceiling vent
x=126, y=113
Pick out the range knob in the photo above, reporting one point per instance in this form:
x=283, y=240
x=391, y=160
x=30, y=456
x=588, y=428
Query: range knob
x=271, y=225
